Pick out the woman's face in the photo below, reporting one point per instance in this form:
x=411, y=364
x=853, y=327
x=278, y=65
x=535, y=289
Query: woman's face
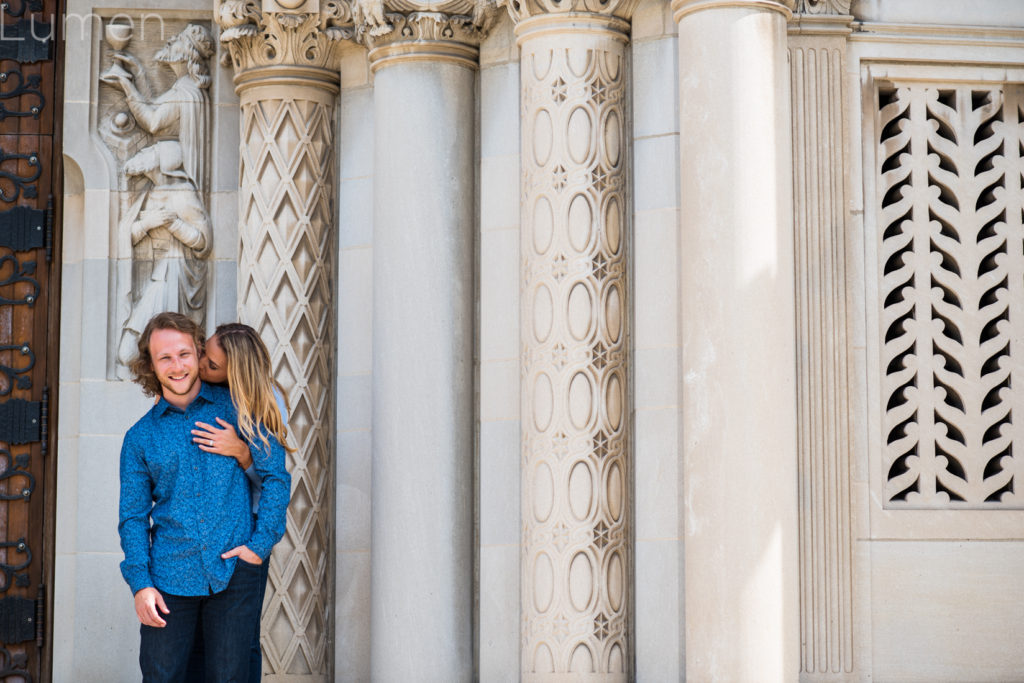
x=213, y=366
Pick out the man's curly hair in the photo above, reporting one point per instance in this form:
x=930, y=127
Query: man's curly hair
x=141, y=366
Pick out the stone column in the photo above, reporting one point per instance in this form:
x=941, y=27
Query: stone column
x=817, y=57
x=738, y=327
x=576, y=463
x=421, y=612
x=286, y=74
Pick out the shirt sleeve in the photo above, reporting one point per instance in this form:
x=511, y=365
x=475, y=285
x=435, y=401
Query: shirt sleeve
x=251, y=474
x=133, y=523
x=270, y=522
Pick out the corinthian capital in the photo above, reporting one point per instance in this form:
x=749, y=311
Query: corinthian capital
x=283, y=33
x=524, y=9
x=415, y=29
x=375, y=20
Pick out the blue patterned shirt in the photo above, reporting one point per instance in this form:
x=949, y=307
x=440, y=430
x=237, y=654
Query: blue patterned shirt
x=182, y=507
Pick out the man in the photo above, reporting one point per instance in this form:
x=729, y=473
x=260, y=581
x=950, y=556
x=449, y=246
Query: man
x=191, y=550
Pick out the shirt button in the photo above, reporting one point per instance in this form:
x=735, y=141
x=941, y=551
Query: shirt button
x=204, y=547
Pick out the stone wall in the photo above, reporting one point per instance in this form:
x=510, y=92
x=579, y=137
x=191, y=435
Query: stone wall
x=821, y=263
x=96, y=631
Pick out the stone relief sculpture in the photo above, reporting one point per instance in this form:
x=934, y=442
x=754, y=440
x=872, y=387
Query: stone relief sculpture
x=164, y=140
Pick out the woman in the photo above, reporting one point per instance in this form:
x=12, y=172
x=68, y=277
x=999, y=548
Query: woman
x=235, y=354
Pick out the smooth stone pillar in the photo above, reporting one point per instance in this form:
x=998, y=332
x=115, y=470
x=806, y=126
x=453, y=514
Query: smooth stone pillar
x=422, y=544
x=738, y=325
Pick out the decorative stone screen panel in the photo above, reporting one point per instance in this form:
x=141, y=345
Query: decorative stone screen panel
x=950, y=301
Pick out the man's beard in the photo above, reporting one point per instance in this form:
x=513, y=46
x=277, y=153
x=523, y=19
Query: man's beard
x=171, y=52
x=170, y=388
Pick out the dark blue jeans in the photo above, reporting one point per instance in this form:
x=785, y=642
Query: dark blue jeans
x=196, y=661
x=227, y=620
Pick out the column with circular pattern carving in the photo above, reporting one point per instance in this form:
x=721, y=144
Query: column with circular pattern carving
x=286, y=74
x=576, y=470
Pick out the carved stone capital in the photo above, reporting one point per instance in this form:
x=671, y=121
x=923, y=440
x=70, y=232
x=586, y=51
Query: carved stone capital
x=680, y=8
x=822, y=18
x=434, y=36
x=284, y=41
x=840, y=7
x=521, y=10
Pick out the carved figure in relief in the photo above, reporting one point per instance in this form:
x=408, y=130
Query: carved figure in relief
x=167, y=221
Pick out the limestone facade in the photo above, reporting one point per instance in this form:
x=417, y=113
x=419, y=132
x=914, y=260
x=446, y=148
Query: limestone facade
x=639, y=340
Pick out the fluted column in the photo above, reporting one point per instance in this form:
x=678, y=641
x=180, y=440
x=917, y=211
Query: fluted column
x=738, y=359
x=421, y=615
x=576, y=449
x=818, y=70
x=286, y=75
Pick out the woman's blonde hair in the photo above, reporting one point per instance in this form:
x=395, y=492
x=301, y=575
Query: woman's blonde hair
x=251, y=382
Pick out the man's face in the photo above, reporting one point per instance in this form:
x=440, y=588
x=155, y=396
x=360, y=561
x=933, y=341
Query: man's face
x=171, y=51
x=213, y=366
x=175, y=362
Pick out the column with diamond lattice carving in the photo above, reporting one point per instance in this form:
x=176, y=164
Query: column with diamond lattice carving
x=739, y=398
x=576, y=465
x=421, y=595
x=286, y=74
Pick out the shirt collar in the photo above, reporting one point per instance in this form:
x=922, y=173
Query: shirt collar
x=205, y=393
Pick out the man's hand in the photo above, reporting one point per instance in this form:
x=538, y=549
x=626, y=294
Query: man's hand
x=243, y=553
x=156, y=218
x=147, y=600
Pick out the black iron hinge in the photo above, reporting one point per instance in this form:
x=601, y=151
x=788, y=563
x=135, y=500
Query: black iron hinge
x=20, y=421
x=23, y=228
x=26, y=40
x=17, y=617
x=23, y=619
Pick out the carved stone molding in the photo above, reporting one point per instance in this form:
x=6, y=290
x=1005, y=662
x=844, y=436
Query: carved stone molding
x=576, y=471
x=284, y=46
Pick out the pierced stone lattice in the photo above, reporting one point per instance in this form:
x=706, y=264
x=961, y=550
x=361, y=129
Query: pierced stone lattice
x=576, y=561
x=951, y=294
x=284, y=292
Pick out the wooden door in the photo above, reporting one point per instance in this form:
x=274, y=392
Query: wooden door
x=30, y=173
